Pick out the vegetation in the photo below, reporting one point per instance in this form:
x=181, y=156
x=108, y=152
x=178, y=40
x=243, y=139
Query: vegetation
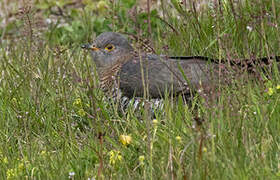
x=55, y=123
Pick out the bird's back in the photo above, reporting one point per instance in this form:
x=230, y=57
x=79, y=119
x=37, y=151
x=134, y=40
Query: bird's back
x=162, y=74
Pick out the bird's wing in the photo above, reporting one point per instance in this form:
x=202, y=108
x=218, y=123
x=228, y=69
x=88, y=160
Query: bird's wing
x=159, y=75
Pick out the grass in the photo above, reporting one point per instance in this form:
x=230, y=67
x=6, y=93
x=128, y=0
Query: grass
x=56, y=125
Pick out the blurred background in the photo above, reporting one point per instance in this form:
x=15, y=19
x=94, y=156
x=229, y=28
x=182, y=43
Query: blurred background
x=183, y=27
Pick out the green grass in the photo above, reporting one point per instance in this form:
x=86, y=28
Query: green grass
x=53, y=119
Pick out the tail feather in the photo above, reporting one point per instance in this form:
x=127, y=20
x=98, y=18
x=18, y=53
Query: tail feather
x=248, y=64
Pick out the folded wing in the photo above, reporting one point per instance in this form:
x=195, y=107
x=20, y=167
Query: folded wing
x=159, y=74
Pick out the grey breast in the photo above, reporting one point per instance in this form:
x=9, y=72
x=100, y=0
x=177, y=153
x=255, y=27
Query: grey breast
x=163, y=75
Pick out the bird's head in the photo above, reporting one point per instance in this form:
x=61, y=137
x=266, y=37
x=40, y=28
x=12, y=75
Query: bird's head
x=108, y=49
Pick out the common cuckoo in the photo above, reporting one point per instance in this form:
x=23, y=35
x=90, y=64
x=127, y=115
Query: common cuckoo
x=154, y=75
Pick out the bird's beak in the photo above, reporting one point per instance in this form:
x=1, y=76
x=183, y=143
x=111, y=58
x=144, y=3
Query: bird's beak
x=89, y=47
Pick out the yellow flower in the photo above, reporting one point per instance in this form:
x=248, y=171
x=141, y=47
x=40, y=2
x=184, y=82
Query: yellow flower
x=141, y=160
x=119, y=157
x=278, y=87
x=82, y=112
x=270, y=91
x=11, y=173
x=112, y=153
x=77, y=102
x=179, y=139
x=115, y=156
x=125, y=139
x=43, y=153
x=204, y=149
x=155, y=122
x=5, y=160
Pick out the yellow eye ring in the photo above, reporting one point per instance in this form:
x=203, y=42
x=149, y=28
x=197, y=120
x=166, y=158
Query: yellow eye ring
x=109, y=47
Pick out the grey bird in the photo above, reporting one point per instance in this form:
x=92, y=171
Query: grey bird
x=140, y=74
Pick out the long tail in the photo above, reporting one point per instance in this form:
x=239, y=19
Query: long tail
x=243, y=63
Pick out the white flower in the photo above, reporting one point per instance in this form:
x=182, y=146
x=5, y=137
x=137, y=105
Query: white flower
x=249, y=28
x=71, y=175
x=48, y=21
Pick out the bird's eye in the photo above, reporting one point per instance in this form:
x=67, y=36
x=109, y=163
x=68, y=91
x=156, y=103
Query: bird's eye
x=109, y=47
